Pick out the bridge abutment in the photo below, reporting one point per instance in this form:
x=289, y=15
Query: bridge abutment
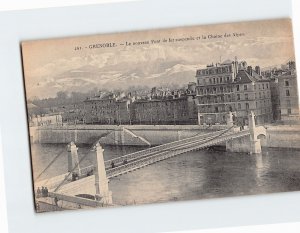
x=248, y=144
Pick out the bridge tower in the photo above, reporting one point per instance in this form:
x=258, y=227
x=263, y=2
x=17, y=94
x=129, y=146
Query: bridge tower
x=229, y=119
x=103, y=194
x=255, y=145
x=73, y=160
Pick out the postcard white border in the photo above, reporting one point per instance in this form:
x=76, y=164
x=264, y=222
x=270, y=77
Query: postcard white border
x=95, y=19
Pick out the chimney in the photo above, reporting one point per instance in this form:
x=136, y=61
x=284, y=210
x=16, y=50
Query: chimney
x=249, y=70
x=257, y=70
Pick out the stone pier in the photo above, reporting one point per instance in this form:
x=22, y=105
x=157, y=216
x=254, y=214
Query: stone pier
x=249, y=144
x=255, y=146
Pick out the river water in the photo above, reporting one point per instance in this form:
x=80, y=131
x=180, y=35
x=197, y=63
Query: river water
x=190, y=176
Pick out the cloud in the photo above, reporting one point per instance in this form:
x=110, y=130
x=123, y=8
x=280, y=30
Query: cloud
x=141, y=63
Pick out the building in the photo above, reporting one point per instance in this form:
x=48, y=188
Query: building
x=45, y=119
x=232, y=87
x=160, y=106
x=165, y=111
x=107, y=109
x=73, y=113
x=285, y=102
x=166, y=107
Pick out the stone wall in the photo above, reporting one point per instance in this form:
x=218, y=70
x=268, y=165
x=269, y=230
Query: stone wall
x=277, y=136
x=239, y=145
x=282, y=136
x=89, y=134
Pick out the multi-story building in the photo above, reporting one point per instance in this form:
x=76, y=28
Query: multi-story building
x=107, y=110
x=161, y=106
x=73, y=113
x=232, y=87
x=171, y=110
x=166, y=107
x=46, y=119
x=285, y=102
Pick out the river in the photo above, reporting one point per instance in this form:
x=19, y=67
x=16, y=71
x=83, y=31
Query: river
x=194, y=175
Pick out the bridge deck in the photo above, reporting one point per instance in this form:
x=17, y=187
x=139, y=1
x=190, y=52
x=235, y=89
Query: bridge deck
x=174, y=150
x=133, y=161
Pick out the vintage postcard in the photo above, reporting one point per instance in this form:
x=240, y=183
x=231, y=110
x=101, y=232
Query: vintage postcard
x=163, y=115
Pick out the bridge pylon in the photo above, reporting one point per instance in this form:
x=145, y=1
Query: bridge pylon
x=103, y=194
x=229, y=120
x=255, y=145
x=73, y=160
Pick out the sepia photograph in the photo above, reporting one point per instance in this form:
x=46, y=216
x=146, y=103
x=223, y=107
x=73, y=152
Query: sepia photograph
x=164, y=115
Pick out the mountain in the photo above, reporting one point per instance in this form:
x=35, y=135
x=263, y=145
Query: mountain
x=119, y=76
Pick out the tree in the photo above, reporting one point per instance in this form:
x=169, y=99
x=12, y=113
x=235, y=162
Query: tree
x=62, y=95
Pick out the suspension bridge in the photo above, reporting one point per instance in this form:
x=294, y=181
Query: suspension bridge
x=93, y=180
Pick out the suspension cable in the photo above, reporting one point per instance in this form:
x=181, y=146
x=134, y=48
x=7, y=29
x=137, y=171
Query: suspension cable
x=46, y=168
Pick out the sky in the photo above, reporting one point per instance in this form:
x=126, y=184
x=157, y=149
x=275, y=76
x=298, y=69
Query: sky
x=55, y=65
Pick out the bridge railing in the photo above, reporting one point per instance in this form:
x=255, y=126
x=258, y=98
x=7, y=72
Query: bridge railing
x=75, y=199
x=86, y=170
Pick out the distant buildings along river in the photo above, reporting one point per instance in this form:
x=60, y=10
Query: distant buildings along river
x=231, y=86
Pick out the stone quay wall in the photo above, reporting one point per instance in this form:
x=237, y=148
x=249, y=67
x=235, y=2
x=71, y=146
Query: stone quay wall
x=89, y=134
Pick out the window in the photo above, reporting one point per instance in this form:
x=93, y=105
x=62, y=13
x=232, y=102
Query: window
x=263, y=86
x=237, y=87
x=267, y=86
x=247, y=106
x=287, y=92
x=288, y=102
x=245, y=87
x=214, y=80
x=210, y=81
x=287, y=83
x=227, y=79
x=238, y=96
x=239, y=106
x=246, y=96
x=221, y=80
x=289, y=111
